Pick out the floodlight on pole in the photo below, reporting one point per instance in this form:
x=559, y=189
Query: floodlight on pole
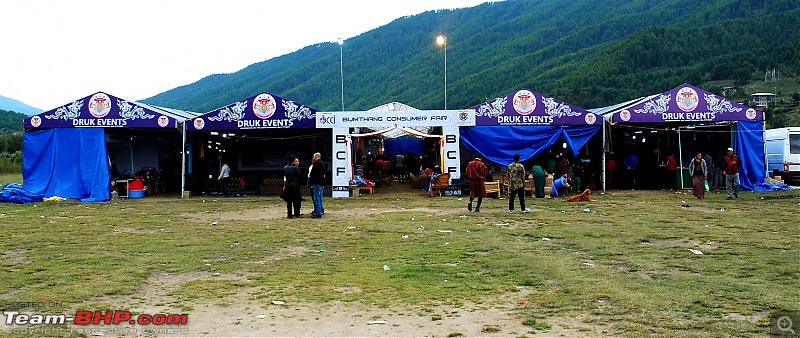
x=442, y=41
x=341, y=68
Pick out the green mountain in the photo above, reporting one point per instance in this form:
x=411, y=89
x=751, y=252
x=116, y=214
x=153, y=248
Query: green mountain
x=590, y=53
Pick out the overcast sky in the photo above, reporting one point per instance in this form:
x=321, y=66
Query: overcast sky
x=55, y=51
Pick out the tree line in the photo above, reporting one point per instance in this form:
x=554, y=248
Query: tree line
x=591, y=53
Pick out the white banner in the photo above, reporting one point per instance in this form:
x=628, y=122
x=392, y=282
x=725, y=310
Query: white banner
x=405, y=118
x=450, y=151
x=342, y=168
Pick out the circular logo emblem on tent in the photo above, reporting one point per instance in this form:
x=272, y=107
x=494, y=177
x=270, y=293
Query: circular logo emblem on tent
x=750, y=114
x=163, y=121
x=524, y=102
x=687, y=99
x=590, y=118
x=199, y=123
x=99, y=105
x=264, y=106
x=36, y=121
x=625, y=115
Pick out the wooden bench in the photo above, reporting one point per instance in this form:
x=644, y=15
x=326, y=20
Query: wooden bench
x=356, y=190
x=501, y=178
x=492, y=188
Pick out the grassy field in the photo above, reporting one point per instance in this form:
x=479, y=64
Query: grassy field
x=622, y=262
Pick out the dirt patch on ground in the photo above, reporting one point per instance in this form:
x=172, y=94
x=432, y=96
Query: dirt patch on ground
x=280, y=212
x=689, y=206
x=683, y=242
x=242, y=315
x=15, y=256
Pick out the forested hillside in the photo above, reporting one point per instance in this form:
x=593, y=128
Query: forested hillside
x=588, y=52
x=11, y=121
x=11, y=141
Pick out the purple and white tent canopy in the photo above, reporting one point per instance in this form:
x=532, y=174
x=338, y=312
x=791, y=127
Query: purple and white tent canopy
x=686, y=103
x=102, y=110
x=261, y=111
x=528, y=108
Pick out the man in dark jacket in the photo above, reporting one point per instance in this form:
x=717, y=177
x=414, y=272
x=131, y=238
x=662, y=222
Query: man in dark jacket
x=316, y=179
x=292, y=178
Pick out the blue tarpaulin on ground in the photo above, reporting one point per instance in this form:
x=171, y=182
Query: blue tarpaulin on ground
x=66, y=162
x=767, y=187
x=15, y=193
x=499, y=143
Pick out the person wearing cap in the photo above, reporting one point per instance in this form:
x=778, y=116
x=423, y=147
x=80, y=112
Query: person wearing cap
x=476, y=172
x=732, y=174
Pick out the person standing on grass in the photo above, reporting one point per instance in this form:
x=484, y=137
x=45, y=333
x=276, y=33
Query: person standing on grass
x=631, y=162
x=242, y=186
x=316, y=179
x=562, y=165
x=670, y=167
x=710, y=166
x=476, y=172
x=732, y=174
x=400, y=166
x=611, y=167
x=292, y=178
x=224, y=174
x=516, y=185
x=539, y=178
x=699, y=176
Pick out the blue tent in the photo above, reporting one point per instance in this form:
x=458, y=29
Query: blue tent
x=65, y=152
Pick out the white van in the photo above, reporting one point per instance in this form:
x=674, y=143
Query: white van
x=783, y=152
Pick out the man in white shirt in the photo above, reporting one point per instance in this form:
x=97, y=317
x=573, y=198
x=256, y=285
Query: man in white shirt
x=224, y=173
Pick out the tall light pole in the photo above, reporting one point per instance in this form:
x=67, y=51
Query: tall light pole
x=341, y=69
x=442, y=41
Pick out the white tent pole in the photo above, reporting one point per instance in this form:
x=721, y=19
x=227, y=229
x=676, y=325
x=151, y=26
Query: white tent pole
x=603, y=160
x=132, y=167
x=183, y=160
x=764, y=143
x=680, y=156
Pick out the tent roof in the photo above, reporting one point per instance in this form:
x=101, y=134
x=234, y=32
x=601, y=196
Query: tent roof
x=393, y=106
x=397, y=132
x=108, y=111
x=180, y=115
x=606, y=112
x=685, y=103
